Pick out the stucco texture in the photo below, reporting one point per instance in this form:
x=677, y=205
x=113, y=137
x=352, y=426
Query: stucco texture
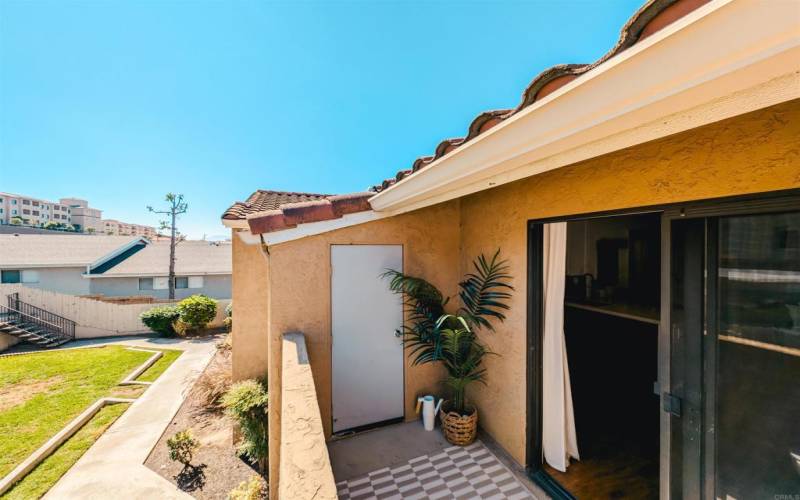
x=249, y=294
x=299, y=277
x=752, y=153
x=756, y=152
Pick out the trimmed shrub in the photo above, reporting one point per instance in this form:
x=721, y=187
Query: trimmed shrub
x=160, y=319
x=254, y=488
x=182, y=446
x=197, y=311
x=247, y=402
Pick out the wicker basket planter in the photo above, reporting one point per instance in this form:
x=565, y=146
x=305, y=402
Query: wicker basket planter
x=458, y=429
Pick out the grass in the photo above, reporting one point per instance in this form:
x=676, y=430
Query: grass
x=45, y=475
x=159, y=366
x=42, y=392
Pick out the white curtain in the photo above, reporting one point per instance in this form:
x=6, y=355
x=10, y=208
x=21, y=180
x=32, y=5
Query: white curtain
x=558, y=419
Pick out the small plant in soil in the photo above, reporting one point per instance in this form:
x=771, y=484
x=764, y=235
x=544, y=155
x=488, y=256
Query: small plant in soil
x=182, y=446
x=255, y=488
x=248, y=402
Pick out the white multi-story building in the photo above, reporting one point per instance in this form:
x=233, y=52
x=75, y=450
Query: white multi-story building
x=32, y=211
x=76, y=212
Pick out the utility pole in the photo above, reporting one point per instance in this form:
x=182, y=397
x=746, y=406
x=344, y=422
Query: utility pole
x=175, y=207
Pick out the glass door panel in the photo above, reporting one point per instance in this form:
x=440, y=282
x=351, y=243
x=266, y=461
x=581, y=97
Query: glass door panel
x=757, y=385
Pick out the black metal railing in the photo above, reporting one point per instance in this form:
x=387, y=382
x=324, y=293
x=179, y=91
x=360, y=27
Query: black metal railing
x=48, y=321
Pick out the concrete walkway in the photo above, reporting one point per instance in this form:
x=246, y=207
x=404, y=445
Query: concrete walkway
x=114, y=466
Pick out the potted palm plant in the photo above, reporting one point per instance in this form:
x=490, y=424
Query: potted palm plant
x=432, y=335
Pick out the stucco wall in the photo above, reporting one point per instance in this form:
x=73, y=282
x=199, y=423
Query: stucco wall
x=215, y=286
x=299, y=276
x=250, y=327
x=753, y=153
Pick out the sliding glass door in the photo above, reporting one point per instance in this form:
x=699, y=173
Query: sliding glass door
x=733, y=402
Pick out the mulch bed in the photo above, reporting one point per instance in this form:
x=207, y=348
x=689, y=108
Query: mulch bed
x=216, y=469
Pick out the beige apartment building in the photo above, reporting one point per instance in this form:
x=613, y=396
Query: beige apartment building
x=32, y=211
x=115, y=227
x=25, y=210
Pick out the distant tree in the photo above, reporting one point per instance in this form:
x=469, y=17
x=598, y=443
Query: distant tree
x=17, y=221
x=90, y=230
x=175, y=207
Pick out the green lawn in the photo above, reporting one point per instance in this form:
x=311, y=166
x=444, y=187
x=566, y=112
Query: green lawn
x=45, y=475
x=162, y=364
x=42, y=392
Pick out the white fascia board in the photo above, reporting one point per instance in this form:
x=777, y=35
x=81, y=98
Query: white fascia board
x=311, y=228
x=118, y=251
x=235, y=223
x=725, y=58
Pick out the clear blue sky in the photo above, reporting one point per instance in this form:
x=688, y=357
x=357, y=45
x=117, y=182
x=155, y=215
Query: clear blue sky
x=120, y=102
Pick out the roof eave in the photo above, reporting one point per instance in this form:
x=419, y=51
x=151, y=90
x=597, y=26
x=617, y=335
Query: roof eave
x=656, y=88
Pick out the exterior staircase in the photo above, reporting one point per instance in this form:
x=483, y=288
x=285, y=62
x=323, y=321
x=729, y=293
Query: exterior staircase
x=34, y=324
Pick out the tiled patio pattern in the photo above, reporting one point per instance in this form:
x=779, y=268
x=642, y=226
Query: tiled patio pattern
x=461, y=473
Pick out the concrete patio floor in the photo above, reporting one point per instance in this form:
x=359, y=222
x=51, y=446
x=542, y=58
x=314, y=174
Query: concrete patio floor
x=405, y=461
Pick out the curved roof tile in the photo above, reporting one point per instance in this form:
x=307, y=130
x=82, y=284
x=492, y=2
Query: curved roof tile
x=651, y=17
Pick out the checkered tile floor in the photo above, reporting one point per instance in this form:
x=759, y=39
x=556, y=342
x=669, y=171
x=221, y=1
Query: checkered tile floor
x=460, y=473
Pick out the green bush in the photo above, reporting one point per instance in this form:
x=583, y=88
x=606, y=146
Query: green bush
x=182, y=446
x=197, y=311
x=247, y=402
x=160, y=319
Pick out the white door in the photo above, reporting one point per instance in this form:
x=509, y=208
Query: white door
x=367, y=356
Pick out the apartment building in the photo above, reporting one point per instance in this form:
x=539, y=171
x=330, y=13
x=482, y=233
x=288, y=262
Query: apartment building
x=32, y=211
x=84, y=218
x=115, y=227
x=76, y=212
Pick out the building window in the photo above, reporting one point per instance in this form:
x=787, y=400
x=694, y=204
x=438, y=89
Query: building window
x=14, y=212
x=13, y=202
x=35, y=203
x=181, y=282
x=26, y=211
x=1, y=210
x=8, y=276
x=26, y=202
x=36, y=212
x=30, y=276
x=145, y=283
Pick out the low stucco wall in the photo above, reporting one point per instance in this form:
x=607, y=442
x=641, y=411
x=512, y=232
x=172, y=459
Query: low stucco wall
x=305, y=467
x=94, y=318
x=753, y=153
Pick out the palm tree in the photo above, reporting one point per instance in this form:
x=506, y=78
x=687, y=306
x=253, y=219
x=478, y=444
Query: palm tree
x=433, y=335
x=462, y=355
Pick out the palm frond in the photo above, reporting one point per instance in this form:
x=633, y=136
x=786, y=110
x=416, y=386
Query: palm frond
x=484, y=291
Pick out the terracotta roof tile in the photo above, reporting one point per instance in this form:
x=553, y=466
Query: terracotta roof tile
x=268, y=211
x=651, y=17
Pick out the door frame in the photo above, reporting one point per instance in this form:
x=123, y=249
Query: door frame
x=382, y=423
x=775, y=201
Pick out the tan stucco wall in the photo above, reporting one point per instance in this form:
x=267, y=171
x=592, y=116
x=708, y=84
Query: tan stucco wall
x=757, y=152
x=250, y=327
x=300, y=299
x=304, y=456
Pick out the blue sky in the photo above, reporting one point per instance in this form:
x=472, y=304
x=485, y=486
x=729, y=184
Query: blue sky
x=120, y=102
